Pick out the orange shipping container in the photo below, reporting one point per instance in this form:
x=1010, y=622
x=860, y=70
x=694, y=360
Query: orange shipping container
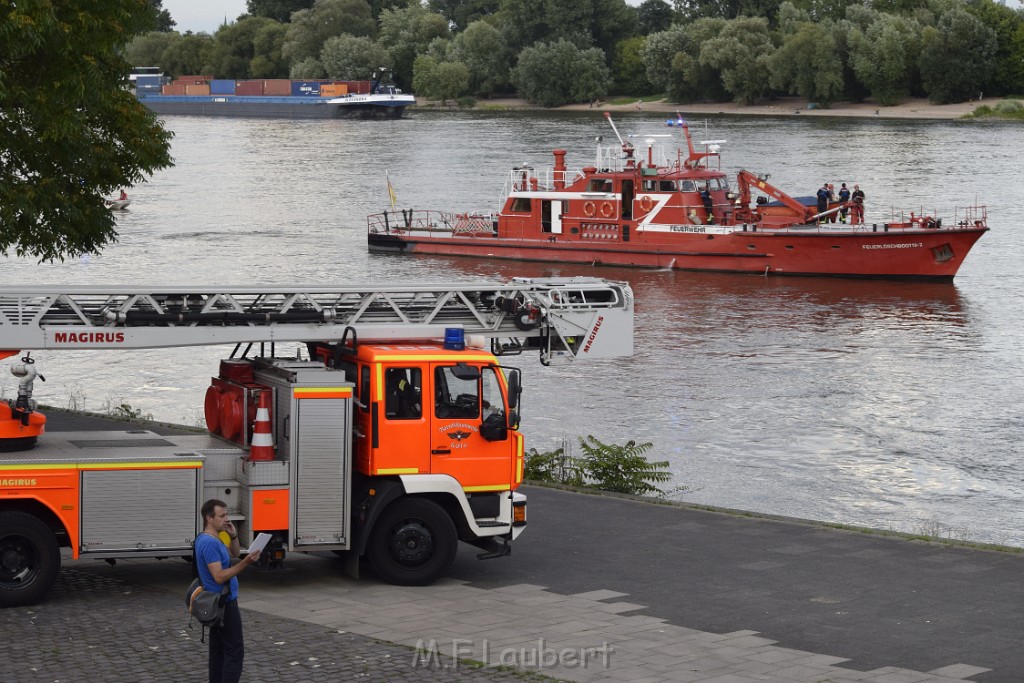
x=192, y=80
x=197, y=89
x=333, y=90
x=278, y=87
x=173, y=89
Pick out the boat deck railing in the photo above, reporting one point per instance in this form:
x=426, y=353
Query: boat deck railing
x=420, y=220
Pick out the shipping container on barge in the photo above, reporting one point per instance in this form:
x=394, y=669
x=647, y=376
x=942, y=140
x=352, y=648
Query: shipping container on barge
x=273, y=98
x=675, y=209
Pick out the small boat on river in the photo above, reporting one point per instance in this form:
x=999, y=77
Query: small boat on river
x=676, y=209
x=119, y=204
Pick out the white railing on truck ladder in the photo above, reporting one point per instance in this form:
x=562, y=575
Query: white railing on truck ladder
x=561, y=317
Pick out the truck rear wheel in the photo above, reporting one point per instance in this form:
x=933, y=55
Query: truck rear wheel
x=413, y=543
x=29, y=559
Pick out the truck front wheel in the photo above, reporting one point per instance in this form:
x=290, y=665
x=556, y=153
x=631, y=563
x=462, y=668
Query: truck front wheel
x=413, y=543
x=29, y=559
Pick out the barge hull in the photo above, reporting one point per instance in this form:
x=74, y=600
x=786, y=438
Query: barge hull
x=268, y=107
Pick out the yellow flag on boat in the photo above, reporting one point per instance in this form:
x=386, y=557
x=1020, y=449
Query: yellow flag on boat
x=391, y=191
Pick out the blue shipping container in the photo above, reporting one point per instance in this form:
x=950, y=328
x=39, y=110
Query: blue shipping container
x=148, y=80
x=222, y=87
x=306, y=88
x=154, y=89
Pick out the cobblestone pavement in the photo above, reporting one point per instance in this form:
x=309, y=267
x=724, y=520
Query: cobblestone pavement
x=93, y=628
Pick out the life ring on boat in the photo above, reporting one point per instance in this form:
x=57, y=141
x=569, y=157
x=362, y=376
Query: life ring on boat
x=589, y=208
x=646, y=203
x=607, y=209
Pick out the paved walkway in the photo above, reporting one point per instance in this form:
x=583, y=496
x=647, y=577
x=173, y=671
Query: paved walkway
x=598, y=589
x=310, y=623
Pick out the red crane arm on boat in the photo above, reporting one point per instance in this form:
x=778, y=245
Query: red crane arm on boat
x=745, y=180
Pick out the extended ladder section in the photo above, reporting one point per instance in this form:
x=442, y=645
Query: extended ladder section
x=563, y=318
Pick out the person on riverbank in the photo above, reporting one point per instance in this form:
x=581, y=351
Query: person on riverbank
x=213, y=562
x=857, y=212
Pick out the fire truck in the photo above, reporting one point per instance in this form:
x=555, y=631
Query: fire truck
x=383, y=428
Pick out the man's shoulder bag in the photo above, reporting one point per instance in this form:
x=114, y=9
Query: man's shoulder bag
x=206, y=607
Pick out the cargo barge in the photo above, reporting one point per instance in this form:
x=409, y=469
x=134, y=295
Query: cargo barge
x=272, y=98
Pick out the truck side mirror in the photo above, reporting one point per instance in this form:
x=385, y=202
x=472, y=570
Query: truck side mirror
x=515, y=390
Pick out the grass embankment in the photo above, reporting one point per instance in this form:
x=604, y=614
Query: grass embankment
x=1006, y=109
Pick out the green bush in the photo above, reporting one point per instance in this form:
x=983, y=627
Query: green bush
x=1004, y=109
x=606, y=467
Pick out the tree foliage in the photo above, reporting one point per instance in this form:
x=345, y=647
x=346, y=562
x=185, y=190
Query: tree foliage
x=188, y=55
x=71, y=130
x=691, y=10
x=585, y=23
x=629, y=74
x=278, y=10
x=958, y=57
x=741, y=52
x=148, y=49
x=481, y=47
x=1008, y=25
x=461, y=13
x=808, y=64
x=440, y=80
x=884, y=57
x=673, y=63
x=248, y=44
x=163, y=20
x=822, y=50
x=310, y=28
x=559, y=73
x=406, y=33
x=653, y=16
x=353, y=58
x=267, y=59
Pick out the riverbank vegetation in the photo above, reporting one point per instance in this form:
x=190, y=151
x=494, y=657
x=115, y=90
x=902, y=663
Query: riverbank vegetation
x=1006, y=109
x=575, y=51
x=606, y=467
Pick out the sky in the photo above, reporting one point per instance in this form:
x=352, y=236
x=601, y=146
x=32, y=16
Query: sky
x=203, y=15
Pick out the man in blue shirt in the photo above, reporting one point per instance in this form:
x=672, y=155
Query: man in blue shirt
x=213, y=560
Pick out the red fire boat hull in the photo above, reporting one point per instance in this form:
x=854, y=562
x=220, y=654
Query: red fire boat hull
x=929, y=256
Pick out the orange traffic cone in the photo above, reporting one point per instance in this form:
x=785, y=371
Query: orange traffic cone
x=262, y=446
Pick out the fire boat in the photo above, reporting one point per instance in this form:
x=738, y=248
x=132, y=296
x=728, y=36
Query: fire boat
x=676, y=209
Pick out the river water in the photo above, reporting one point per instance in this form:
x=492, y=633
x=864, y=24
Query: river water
x=884, y=404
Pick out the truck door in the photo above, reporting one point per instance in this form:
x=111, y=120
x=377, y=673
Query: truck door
x=461, y=401
x=398, y=441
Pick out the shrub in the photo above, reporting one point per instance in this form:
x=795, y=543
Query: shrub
x=606, y=467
